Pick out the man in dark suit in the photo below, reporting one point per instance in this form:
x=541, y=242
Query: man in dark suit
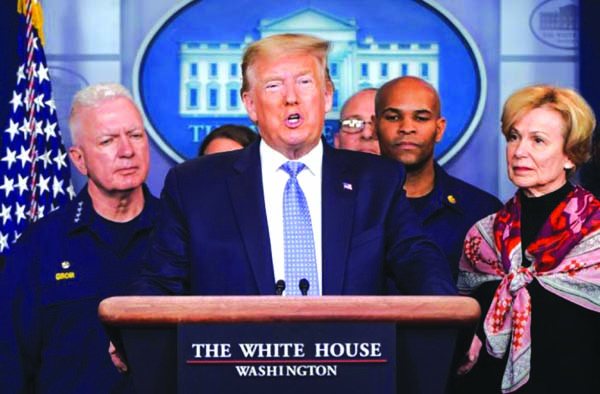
x=224, y=229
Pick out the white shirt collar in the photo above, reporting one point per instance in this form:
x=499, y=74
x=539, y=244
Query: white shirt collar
x=272, y=160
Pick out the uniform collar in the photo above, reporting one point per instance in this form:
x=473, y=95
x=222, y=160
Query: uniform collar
x=447, y=195
x=82, y=213
x=443, y=195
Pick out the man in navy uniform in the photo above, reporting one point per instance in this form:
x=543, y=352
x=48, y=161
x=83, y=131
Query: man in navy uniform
x=409, y=123
x=88, y=250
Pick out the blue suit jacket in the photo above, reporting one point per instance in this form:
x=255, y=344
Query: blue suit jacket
x=213, y=238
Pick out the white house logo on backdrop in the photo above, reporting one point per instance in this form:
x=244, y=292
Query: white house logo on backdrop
x=556, y=23
x=198, y=62
x=211, y=71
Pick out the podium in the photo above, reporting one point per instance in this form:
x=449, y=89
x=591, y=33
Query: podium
x=145, y=328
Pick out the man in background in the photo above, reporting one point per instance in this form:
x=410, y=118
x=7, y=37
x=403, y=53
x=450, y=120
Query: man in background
x=409, y=124
x=356, y=130
x=60, y=270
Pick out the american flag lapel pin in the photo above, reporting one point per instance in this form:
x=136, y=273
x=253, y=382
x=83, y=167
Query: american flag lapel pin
x=347, y=186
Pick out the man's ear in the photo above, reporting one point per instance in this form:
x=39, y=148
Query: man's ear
x=336, y=140
x=328, y=96
x=250, y=107
x=440, y=127
x=375, y=122
x=78, y=159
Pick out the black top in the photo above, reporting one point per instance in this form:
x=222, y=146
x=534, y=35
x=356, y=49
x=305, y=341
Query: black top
x=565, y=339
x=534, y=213
x=123, y=231
x=419, y=203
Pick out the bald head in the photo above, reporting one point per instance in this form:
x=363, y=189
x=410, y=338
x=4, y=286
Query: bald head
x=409, y=123
x=359, y=107
x=364, y=98
x=412, y=85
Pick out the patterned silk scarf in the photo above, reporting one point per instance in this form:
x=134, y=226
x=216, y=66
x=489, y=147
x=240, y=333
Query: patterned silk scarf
x=565, y=260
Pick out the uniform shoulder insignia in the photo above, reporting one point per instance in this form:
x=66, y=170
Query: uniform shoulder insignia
x=78, y=213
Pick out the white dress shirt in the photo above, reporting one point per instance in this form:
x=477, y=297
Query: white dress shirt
x=274, y=179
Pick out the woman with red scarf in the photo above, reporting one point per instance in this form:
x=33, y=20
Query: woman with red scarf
x=534, y=266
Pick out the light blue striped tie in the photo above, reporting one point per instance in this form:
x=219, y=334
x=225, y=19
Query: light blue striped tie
x=298, y=241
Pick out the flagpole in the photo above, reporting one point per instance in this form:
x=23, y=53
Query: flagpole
x=29, y=102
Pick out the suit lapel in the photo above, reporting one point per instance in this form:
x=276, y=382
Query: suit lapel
x=338, y=199
x=246, y=193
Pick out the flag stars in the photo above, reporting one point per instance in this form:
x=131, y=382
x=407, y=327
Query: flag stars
x=20, y=213
x=25, y=129
x=7, y=186
x=45, y=158
x=20, y=73
x=16, y=101
x=3, y=242
x=31, y=71
x=51, y=106
x=5, y=213
x=24, y=156
x=36, y=212
x=35, y=41
x=38, y=127
x=42, y=73
x=50, y=129
x=39, y=102
x=13, y=129
x=43, y=186
x=60, y=160
x=57, y=187
x=33, y=180
x=10, y=158
x=28, y=99
x=40, y=212
x=22, y=184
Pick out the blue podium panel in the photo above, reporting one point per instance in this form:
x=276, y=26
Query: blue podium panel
x=287, y=357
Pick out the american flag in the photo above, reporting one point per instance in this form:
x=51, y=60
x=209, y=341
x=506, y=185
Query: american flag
x=35, y=175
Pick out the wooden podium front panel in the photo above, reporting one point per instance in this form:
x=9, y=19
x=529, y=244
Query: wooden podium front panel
x=427, y=327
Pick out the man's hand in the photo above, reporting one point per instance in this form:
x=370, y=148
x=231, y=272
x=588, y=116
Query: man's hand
x=116, y=358
x=471, y=357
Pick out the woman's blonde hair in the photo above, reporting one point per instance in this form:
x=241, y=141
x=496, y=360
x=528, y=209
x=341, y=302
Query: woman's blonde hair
x=579, y=119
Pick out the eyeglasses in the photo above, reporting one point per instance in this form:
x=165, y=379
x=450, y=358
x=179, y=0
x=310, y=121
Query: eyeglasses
x=353, y=126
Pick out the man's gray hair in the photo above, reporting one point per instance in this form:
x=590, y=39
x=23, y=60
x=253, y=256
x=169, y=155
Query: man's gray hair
x=92, y=96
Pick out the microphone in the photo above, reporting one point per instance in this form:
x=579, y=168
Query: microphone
x=304, y=285
x=279, y=287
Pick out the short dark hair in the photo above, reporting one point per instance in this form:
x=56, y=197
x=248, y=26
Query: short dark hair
x=241, y=134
